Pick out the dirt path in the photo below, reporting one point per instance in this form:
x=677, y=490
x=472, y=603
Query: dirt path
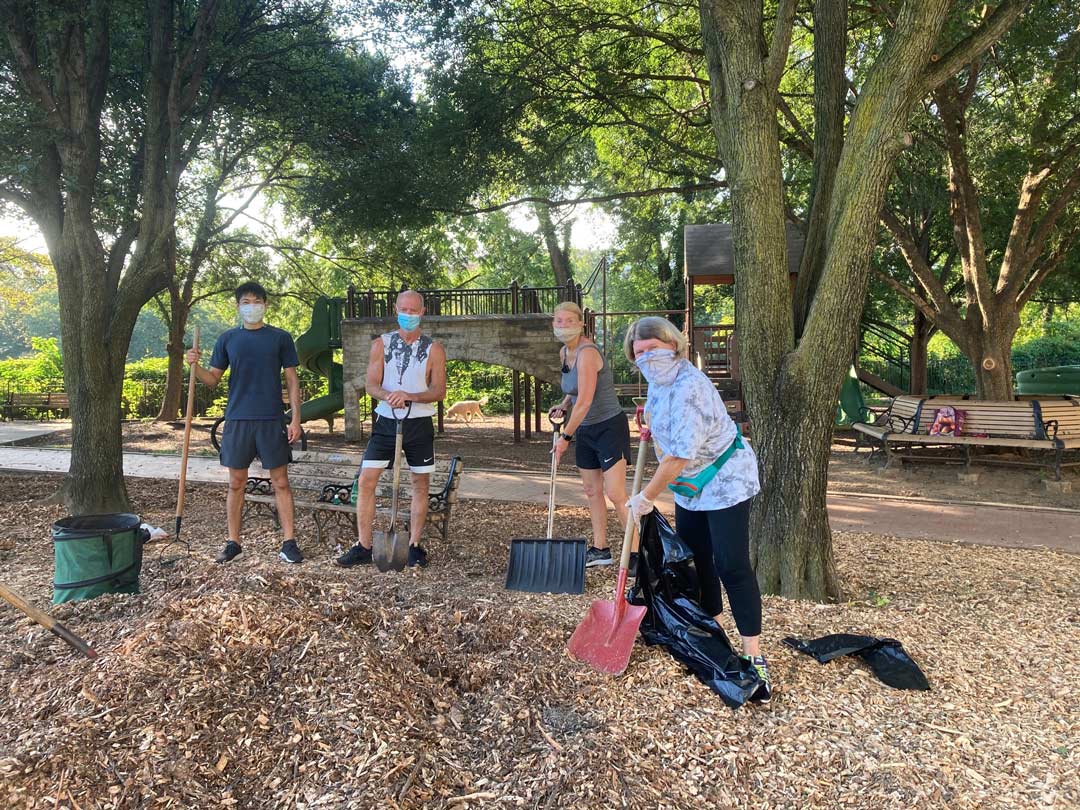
x=1012, y=526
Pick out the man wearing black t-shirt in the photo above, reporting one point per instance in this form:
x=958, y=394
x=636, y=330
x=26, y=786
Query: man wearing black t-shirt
x=257, y=353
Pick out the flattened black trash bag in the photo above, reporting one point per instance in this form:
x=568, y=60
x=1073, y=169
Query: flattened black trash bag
x=667, y=585
x=886, y=657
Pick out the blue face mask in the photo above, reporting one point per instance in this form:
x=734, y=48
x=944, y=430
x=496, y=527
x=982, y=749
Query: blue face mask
x=658, y=366
x=408, y=322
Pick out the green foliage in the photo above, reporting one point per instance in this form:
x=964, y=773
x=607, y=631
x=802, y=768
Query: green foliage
x=471, y=380
x=42, y=371
x=950, y=371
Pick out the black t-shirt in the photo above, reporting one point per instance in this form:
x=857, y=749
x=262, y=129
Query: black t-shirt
x=256, y=357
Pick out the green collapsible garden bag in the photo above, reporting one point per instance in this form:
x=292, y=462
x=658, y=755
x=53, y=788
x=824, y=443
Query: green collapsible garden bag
x=97, y=554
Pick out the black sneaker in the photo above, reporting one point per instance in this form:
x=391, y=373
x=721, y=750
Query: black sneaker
x=417, y=556
x=230, y=552
x=597, y=556
x=290, y=552
x=357, y=555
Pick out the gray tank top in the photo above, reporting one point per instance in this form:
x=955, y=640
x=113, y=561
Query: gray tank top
x=605, y=404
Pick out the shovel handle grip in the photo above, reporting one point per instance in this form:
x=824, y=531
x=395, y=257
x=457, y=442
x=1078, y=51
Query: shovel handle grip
x=631, y=522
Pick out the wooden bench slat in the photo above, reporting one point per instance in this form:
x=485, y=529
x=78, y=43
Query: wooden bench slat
x=312, y=471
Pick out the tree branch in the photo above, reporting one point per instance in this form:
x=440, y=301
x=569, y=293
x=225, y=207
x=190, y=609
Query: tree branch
x=935, y=290
x=781, y=43
x=972, y=46
x=1052, y=263
x=26, y=66
x=622, y=195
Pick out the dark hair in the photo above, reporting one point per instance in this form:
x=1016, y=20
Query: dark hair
x=252, y=287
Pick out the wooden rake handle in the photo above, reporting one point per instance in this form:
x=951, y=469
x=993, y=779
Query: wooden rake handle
x=46, y=621
x=188, y=416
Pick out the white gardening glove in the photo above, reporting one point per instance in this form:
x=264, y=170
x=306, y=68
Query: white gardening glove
x=640, y=505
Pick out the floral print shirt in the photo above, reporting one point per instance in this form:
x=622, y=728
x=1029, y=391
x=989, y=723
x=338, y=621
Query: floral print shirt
x=688, y=420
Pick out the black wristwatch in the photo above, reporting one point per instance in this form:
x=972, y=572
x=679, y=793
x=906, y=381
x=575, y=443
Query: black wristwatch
x=568, y=436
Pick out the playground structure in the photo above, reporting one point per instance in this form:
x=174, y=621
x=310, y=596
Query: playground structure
x=511, y=327
x=315, y=350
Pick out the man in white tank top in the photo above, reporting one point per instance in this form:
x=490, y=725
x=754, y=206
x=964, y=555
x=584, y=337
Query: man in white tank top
x=404, y=366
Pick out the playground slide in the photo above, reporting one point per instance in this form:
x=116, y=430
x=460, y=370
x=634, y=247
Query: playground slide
x=315, y=348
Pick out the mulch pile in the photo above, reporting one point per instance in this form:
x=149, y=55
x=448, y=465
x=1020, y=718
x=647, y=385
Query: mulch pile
x=264, y=685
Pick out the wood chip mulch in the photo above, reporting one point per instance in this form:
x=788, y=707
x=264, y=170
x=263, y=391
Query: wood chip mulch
x=264, y=685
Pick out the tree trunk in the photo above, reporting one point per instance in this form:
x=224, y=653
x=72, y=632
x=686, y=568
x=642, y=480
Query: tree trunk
x=793, y=553
x=95, y=482
x=94, y=352
x=990, y=353
x=791, y=391
x=560, y=261
x=921, y=331
x=179, y=311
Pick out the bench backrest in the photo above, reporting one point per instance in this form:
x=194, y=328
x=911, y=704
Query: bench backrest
x=1061, y=417
x=315, y=469
x=904, y=414
x=1024, y=418
x=34, y=400
x=1014, y=420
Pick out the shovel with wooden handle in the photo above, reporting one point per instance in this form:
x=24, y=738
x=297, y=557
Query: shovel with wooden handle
x=390, y=549
x=605, y=637
x=46, y=621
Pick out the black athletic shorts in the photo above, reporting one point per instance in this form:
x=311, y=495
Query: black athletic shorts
x=417, y=438
x=600, y=446
x=244, y=439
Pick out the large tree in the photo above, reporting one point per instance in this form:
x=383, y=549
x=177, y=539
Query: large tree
x=106, y=104
x=793, y=363
x=106, y=108
x=1006, y=192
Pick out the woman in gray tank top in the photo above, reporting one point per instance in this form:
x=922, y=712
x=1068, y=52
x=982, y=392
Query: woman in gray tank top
x=596, y=425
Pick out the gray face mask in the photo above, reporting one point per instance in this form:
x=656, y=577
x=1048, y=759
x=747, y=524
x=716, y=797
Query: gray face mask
x=564, y=334
x=252, y=313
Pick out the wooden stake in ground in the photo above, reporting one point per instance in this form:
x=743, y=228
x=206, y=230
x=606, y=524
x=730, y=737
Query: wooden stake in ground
x=46, y=621
x=188, y=414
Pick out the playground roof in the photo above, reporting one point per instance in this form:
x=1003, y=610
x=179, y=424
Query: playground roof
x=709, y=258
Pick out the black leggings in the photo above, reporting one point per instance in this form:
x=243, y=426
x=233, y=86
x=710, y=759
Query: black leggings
x=720, y=539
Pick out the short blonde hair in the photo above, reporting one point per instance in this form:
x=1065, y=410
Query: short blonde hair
x=656, y=327
x=569, y=306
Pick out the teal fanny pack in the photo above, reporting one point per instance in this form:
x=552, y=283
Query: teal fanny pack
x=692, y=487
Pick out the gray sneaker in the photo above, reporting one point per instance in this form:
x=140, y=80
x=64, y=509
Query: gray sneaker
x=597, y=556
x=230, y=552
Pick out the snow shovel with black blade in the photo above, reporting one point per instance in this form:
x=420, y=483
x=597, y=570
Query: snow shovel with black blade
x=548, y=564
x=390, y=549
x=605, y=637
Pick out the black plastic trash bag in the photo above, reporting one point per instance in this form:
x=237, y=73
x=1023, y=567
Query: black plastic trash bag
x=667, y=585
x=885, y=656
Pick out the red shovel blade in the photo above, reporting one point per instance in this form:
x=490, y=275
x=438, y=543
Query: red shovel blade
x=605, y=637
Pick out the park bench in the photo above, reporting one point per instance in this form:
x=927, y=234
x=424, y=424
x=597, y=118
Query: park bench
x=43, y=403
x=322, y=483
x=1021, y=424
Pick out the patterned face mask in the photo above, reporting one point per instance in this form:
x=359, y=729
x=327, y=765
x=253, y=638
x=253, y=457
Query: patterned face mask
x=564, y=334
x=658, y=366
x=252, y=313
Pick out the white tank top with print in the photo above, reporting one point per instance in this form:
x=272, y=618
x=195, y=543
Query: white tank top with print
x=405, y=369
